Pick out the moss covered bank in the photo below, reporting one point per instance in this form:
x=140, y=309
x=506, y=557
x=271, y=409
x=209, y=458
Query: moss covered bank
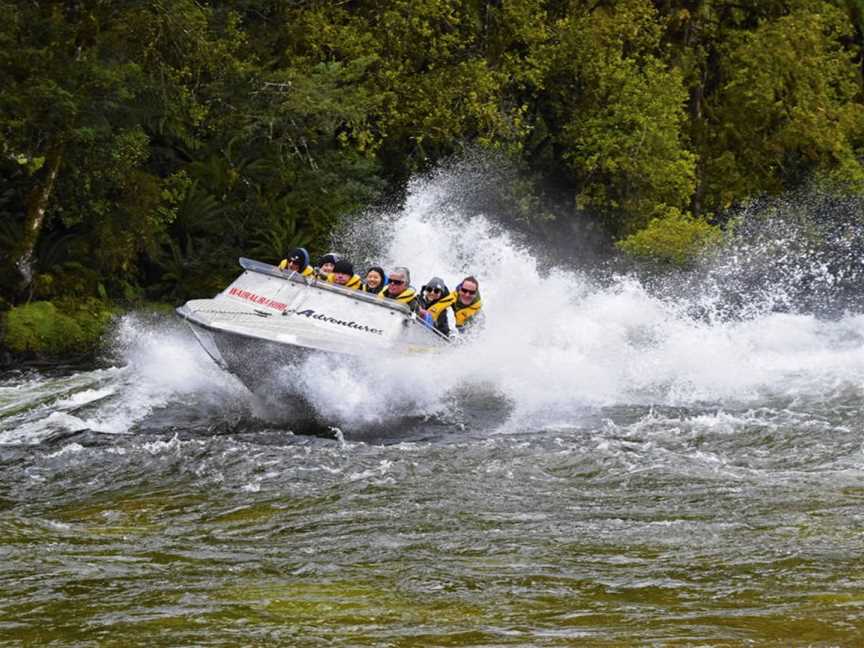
x=54, y=331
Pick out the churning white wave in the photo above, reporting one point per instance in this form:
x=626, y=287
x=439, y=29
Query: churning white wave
x=158, y=366
x=557, y=341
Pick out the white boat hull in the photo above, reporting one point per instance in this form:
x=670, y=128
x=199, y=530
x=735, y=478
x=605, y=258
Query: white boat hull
x=267, y=319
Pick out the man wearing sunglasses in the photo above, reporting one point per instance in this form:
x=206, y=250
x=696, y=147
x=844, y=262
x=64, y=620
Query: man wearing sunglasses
x=399, y=287
x=467, y=305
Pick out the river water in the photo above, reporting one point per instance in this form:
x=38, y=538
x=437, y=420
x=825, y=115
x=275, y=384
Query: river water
x=611, y=463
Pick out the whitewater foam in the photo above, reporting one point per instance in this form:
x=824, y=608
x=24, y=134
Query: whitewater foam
x=557, y=342
x=558, y=339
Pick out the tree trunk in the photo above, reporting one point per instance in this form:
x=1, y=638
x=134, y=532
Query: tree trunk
x=37, y=203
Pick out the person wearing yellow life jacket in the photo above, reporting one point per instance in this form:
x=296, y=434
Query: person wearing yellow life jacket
x=399, y=288
x=434, y=300
x=343, y=274
x=467, y=305
x=326, y=263
x=297, y=261
x=375, y=280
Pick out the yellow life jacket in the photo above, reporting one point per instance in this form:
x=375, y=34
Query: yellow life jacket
x=463, y=313
x=353, y=282
x=441, y=305
x=404, y=297
x=306, y=272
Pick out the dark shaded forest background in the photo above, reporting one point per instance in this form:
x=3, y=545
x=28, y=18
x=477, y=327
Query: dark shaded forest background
x=144, y=143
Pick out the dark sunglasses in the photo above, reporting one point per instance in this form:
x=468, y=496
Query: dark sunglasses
x=468, y=292
x=293, y=261
x=435, y=290
x=396, y=281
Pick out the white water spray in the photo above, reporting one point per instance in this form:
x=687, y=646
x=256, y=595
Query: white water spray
x=556, y=340
x=158, y=366
x=557, y=343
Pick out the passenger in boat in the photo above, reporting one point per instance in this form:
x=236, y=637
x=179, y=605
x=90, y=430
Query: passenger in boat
x=297, y=261
x=326, y=263
x=434, y=300
x=399, y=287
x=375, y=280
x=467, y=305
x=343, y=274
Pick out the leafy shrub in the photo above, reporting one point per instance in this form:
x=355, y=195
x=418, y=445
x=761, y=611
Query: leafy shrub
x=675, y=238
x=49, y=329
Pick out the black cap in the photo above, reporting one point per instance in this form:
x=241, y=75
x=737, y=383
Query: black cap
x=297, y=255
x=344, y=266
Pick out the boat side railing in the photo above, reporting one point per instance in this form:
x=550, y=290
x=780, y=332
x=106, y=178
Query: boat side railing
x=314, y=282
x=265, y=268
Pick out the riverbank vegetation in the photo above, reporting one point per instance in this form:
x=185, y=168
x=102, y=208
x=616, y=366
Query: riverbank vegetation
x=65, y=328
x=145, y=146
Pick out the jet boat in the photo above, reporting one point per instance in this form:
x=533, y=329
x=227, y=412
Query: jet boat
x=268, y=319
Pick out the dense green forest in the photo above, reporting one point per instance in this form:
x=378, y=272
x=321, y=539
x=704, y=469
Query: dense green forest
x=145, y=142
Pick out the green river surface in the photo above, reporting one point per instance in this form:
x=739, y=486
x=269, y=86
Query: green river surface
x=606, y=465
x=200, y=524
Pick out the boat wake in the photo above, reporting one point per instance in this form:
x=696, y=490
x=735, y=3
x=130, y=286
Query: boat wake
x=563, y=347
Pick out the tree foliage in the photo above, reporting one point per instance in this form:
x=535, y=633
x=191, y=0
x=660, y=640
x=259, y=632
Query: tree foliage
x=788, y=105
x=145, y=145
x=618, y=113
